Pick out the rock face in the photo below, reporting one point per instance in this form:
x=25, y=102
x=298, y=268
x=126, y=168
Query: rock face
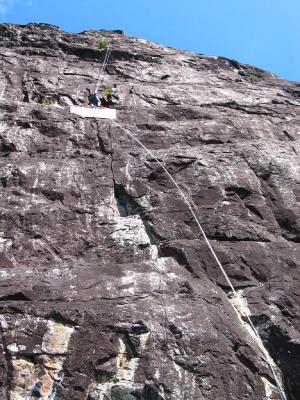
x=108, y=290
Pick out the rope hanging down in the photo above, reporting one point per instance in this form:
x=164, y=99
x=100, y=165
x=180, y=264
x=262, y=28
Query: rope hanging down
x=104, y=65
x=188, y=203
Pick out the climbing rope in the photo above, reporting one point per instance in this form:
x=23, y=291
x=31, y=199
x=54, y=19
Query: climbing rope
x=188, y=203
x=104, y=65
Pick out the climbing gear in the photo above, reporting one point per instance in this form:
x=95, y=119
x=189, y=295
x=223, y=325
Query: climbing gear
x=189, y=204
x=107, y=91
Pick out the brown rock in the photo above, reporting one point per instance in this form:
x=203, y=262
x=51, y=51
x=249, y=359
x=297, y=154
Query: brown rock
x=107, y=287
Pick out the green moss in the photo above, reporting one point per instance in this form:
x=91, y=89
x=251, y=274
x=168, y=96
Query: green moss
x=252, y=78
x=45, y=102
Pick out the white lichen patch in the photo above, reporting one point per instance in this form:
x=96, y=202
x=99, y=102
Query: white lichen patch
x=126, y=369
x=108, y=210
x=154, y=252
x=14, y=348
x=241, y=304
x=130, y=231
x=3, y=322
x=185, y=385
x=271, y=391
x=5, y=244
x=6, y=274
x=56, y=339
x=162, y=264
x=40, y=166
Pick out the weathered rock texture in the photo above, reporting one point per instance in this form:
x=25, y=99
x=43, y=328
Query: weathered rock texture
x=107, y=289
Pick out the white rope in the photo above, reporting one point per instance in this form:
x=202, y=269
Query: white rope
x=134, y=100
x=104, y=65
x=188, y=203
x=105, y=61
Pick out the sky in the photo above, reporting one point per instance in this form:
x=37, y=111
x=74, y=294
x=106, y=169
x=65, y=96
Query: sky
x=263, y=33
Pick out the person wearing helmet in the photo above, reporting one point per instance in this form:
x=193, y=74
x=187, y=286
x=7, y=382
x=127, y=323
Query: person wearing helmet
x=93, y=99
x=110, y=96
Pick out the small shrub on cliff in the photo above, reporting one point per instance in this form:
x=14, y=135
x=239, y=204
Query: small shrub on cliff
x=45, y=102
x=252, y=78
x=102, y=44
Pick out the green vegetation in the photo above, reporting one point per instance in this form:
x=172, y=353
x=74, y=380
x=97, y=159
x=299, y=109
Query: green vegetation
x=45, y=102
x=102, y=44
x=252, y=77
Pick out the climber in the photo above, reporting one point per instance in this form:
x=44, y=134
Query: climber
x=93, y=99
x=110, y=96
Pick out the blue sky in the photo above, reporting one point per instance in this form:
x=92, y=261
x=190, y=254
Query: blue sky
x=264, y=33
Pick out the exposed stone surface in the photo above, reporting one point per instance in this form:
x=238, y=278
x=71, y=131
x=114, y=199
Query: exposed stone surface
x=107, y=289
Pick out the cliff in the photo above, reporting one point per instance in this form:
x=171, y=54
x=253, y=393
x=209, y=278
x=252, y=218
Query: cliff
x=108, y=290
